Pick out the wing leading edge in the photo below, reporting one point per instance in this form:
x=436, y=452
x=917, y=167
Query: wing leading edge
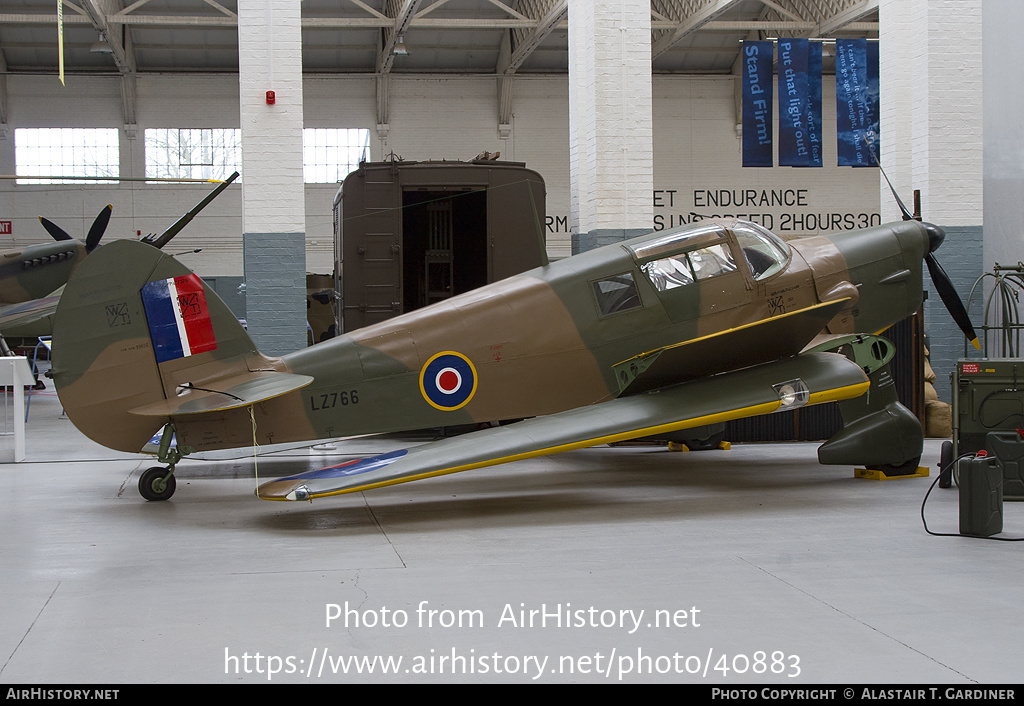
x=810, y=378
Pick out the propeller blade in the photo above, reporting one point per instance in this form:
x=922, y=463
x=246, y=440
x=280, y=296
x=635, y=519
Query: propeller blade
x=951, y=299
x=944, y=285
x=97, y=228
x=54, y=230
x=906, y=213
x=903, y=207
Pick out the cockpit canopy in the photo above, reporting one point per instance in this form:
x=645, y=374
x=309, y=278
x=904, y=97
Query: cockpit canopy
x=680, y=257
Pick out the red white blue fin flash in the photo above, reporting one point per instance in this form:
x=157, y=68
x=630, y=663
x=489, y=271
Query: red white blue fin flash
x=179, y=319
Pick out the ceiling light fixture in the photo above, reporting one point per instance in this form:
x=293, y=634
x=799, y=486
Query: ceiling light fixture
x=400, y=49
x=101, y=47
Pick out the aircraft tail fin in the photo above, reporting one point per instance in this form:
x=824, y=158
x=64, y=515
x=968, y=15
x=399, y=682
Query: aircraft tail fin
x=138, y=337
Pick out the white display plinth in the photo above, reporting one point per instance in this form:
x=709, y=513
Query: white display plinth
x=15, y=372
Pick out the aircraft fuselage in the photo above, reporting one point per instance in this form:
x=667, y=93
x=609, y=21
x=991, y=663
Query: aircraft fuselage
x=623, y=319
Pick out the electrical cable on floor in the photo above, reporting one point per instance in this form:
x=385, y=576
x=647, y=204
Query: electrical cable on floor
x=943, y=469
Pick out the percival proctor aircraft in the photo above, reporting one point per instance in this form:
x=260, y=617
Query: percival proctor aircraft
x=666, y=333
x=30, y=275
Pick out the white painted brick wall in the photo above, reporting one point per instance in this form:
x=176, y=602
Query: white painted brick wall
x=931, y=87
x=270, y=59
x=273, y=194
x=931, y=90
x=1004, y=132
x=610, y=141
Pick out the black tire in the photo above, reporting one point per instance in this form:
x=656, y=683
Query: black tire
x=152, y=485
x=946, y=465
x=898, y=469
x=707, y=444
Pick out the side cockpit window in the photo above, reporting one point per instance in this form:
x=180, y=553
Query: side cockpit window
x=684, y=268
x=712, y=261
x=669, y=273
x=615, y=294
x=765, y=253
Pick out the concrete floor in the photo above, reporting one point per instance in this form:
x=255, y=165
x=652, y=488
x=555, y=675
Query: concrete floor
x=767, y=567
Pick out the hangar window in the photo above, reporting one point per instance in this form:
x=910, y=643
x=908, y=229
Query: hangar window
x=330, y=154
x=67, y=152
x=193, y=153
x=616, y=294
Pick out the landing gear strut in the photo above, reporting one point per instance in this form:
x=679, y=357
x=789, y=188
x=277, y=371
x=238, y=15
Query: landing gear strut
x=878, y=432
x=157, y=483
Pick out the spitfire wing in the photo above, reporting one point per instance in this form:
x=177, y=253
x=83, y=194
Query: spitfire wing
x=13, y=315
x=805, y=379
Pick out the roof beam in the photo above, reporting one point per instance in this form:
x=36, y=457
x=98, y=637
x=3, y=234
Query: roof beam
x=509, y=59
x=386, y=58
x=119, y=41
x=506, y=75
x=782, y=11
x=403, y=17
x=544, y=27
x=688, y=25
x=838, y=21
x=3, y=95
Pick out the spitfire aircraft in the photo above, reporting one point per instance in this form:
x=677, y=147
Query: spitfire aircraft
x=669, y=333
x=30, y=276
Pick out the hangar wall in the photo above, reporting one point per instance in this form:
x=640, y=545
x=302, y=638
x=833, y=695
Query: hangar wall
x=696, y=162
x=1004, y=135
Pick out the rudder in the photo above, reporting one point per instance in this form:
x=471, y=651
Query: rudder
x=124, y=337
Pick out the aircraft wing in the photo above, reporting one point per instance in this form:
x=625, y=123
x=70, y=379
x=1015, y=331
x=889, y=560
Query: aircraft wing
x=12, y=315
x=809, y=378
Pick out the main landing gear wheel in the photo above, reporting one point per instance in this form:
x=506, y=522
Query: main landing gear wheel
x=898, y=469
x=707, y=444
x=155, y=484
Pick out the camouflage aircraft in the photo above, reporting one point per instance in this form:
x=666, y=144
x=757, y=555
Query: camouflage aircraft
x=669, y=333
x=30, y=276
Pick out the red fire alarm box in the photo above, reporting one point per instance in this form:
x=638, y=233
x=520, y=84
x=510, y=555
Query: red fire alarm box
x=270, y=98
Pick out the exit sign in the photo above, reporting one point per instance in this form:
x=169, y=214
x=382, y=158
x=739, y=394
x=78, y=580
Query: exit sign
x=6, y=228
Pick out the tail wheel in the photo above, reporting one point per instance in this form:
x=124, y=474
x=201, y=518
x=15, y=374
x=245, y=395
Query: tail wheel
x=156, y=484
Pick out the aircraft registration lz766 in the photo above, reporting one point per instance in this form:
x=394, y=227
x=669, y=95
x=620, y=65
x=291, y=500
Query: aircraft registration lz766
x=668, y=333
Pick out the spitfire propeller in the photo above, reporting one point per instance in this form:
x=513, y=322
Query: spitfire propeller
x=99, y=225
x=943, y=284
x=157, y=241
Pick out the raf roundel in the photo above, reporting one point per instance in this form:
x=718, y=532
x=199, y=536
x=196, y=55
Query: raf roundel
x=448, y=381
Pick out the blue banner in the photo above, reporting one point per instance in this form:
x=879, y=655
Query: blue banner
x=799, y=103
x=814, y=101
x=857, y=105
x=874, y=103
x=758, y=98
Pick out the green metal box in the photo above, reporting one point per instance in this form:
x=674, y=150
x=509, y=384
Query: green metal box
x=988, y=396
